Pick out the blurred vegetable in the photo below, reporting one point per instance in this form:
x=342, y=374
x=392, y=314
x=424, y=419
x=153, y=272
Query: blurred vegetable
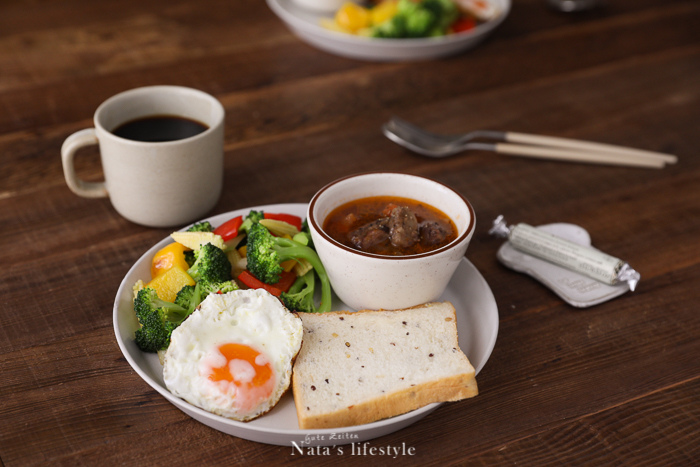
x=423, y=18
x=352, y=17
x=396, y=19
x=463, y=24
x=384, y=11
x=481, y=10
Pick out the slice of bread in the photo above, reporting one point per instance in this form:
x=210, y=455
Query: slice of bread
x=356, y=368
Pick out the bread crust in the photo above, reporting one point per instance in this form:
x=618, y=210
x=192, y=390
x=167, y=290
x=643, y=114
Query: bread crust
x=396, y=403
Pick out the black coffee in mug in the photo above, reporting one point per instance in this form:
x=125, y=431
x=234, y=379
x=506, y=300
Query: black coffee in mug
x=159, y=128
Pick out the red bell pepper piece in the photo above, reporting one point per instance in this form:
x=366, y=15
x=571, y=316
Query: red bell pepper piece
x=229, y=229
x=463, y=24
x=288, y=218
x=287, y=278
x=285, y=282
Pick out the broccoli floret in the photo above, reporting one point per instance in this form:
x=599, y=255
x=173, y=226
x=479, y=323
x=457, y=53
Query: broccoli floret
x=263, y=261
x=418, y=19
x=446, y=13
x=204, y=226
x=265, y=253
x=395, y=28
x=189, y=297
x=211, y=265
x=300, y=296
x=219, y=287
x=189, y=257
x=158, y=319
x=305, y=230
x=253, y=217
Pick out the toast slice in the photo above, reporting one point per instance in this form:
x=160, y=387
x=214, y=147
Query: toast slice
x=360, y=367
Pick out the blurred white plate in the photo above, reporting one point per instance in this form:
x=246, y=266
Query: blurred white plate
x=305, y=24
x=477, y=325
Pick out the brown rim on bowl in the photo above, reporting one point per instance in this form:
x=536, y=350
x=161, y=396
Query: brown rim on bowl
x=319, y=229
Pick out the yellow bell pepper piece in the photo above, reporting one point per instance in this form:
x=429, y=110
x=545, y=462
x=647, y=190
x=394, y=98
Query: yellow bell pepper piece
x=167, y=257
x=169, y=283
x=352, y=17
x=384, y=11
x=288, y=265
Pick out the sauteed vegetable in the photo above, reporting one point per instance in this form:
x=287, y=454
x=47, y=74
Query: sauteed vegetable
x=261, y=250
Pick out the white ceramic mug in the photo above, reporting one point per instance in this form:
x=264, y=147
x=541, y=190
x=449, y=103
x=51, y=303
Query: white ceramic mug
x=157, y=184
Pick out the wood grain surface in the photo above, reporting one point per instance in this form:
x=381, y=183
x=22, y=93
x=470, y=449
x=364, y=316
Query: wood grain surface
x=615, y=384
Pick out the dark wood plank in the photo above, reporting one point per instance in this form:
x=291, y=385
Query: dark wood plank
x=643, y=431
x=331, y=102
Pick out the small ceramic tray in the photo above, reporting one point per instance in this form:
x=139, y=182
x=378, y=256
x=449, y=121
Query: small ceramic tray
x=576, y=289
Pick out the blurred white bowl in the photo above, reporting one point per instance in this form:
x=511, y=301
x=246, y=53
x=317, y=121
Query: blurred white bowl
x=306, y=24
x=369, y=281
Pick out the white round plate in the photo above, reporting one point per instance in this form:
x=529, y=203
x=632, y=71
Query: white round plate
x=305, y=24
x=477, y=324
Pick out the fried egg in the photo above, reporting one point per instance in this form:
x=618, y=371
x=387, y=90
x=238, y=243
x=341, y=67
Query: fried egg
x=233, y=356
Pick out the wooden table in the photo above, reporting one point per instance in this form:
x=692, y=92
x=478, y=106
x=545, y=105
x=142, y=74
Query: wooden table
x=616, y=384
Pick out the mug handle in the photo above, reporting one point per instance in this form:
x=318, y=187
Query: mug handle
x=70, y=146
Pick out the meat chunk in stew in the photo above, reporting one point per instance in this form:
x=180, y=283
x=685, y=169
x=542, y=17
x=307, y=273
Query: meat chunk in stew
x=433, y=233
x=403, y=227
x=371, y=235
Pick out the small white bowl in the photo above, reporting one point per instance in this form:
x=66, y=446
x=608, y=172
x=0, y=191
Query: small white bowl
x=369, y=281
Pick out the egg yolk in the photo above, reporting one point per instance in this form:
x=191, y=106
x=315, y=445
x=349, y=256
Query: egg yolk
x=247, y=369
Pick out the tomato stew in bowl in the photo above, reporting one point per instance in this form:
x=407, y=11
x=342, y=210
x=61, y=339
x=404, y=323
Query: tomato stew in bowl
x=389, y=225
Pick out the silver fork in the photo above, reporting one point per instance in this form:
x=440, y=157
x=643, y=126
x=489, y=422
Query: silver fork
x=519, y=144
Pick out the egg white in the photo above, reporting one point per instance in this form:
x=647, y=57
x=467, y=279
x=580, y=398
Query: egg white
x=250, y=317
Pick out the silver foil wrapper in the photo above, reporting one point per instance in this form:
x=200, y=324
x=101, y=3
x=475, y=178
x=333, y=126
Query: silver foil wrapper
x=585, y=260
